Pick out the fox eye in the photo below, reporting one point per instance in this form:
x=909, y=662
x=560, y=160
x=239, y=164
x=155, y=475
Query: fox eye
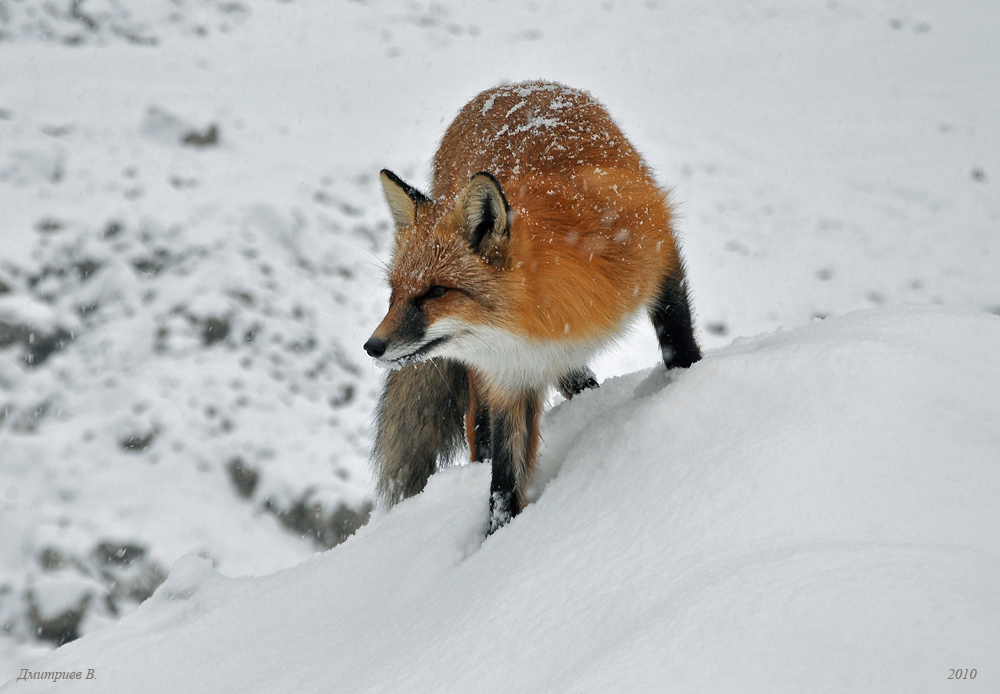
x=435, y=292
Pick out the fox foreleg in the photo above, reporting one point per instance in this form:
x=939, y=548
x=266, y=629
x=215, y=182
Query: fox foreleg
x=514, y=442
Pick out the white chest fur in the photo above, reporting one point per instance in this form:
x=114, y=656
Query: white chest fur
x=512, y=362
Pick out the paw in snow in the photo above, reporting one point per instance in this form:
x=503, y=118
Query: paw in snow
x=576, y=382
x=500, y=511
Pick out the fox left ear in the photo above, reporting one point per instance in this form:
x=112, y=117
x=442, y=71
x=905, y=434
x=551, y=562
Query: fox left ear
x=487, y=216
x=402, y=199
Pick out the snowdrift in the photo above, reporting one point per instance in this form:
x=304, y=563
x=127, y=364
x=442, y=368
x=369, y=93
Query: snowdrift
x=811, y=510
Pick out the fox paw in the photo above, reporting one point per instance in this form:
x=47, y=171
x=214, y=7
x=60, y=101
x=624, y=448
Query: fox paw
x=576, y=382
x=501, y=512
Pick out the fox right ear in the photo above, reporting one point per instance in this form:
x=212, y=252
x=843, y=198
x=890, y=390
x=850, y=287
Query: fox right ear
x=402, y=198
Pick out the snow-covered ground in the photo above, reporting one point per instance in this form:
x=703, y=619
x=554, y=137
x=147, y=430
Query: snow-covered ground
x=813, y=510
x=191, y=241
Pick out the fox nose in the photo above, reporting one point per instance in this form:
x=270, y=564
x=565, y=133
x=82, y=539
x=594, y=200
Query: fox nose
x=375, y=347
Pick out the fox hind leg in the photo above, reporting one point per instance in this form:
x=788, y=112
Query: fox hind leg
x=670, y=313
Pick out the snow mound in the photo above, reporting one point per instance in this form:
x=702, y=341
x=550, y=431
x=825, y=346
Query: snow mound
x=811, y=510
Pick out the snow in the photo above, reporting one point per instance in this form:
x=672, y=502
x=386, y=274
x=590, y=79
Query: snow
x=23, y=310
x=812, y=509
x=54, y=595
x=192, y=249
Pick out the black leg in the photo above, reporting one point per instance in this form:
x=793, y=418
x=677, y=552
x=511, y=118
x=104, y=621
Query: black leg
x=671, y=316
x=514, y=438
x=482, y=430
x=504, y=503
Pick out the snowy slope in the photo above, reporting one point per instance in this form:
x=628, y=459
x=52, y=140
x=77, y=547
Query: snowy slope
x=812, y=510
x=191, y=235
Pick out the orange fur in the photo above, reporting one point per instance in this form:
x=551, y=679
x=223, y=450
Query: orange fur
x=544, y=234
x=590, y=236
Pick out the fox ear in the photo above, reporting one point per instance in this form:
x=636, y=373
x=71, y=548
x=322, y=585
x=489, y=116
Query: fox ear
x=487, y=216
x=402, y=198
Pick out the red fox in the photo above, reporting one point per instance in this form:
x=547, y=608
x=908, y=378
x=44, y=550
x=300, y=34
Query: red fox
x=543, y=236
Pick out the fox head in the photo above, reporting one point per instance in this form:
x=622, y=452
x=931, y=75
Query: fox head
x=445, y=271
